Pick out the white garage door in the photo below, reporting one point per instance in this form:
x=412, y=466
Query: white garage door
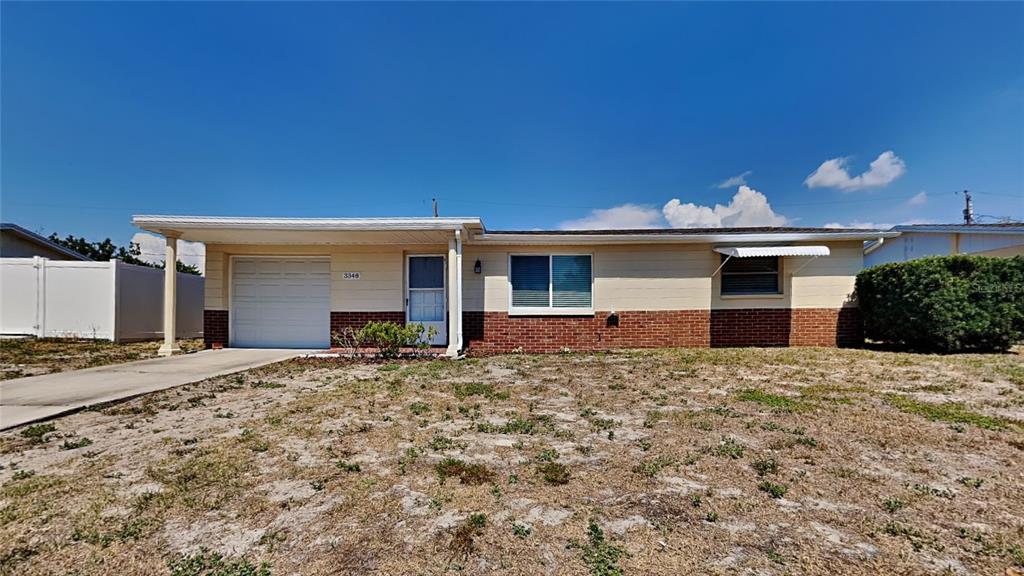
x=281, y=302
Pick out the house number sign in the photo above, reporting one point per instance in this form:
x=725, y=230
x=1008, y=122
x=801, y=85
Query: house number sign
x=350, y=275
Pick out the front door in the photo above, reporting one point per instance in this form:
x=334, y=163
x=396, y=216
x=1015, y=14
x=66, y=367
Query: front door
x=425, y=299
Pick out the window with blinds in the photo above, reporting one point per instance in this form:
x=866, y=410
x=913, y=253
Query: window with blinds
x=551, y=281
x=757, y=275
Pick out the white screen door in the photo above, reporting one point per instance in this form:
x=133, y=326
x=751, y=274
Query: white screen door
x=425, y=299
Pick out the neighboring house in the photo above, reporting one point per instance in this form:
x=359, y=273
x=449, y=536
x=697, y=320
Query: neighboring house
x=290, y=282
x=17, y=242
x=920, y=240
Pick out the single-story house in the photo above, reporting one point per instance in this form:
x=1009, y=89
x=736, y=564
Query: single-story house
x=290, y=282
x=17, y=242
x=920, y=240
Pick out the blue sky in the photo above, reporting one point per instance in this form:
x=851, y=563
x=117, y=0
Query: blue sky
x=528, y=115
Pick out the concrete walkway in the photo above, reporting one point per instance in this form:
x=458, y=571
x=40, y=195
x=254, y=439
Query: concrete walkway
x=25, y=400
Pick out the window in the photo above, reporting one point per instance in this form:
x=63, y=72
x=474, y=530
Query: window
x=551, y=282
x=757, y=275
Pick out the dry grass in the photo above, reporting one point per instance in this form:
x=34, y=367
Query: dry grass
x=20, y=357
x=654, y=462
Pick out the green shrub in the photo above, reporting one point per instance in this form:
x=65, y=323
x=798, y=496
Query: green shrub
x=388, y=337
x=945, y=303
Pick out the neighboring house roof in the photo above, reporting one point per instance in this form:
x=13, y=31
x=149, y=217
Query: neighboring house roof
x=1000, y=228
x=30, y=236
x=219, y=229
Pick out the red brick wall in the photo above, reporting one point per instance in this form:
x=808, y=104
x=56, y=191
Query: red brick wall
x=215, y=328
x=492, y=332
x=826, y=327
x=750, y=327
x=495, y=332
x=356, y=320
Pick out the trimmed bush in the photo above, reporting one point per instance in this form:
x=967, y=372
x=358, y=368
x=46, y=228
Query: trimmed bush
x=944, y=303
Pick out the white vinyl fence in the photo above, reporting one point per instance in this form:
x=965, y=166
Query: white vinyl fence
x=102, y=300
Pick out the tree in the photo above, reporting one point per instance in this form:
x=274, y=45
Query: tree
x=107, y=250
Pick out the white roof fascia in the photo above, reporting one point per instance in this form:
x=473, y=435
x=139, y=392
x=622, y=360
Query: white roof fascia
x=756, y=251
x=524, y=239
x=151, y=222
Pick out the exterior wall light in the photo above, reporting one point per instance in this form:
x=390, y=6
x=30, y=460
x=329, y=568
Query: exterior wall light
x=477, y=267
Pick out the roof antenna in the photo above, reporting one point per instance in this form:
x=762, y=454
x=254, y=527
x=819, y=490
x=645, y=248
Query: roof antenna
x=434, y=201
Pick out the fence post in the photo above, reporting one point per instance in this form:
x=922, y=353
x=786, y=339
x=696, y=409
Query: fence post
x=114, y=289
x=39, y=264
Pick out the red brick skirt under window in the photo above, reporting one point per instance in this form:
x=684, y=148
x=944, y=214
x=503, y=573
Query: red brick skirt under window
x=495, y=332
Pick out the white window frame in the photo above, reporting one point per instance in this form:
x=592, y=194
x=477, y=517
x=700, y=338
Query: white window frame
x=781, y=283
x=549, y=310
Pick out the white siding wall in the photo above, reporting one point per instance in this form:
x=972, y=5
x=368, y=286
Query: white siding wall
x=668, y=277
x=626, y=277
x=380, y=287
x=911, y=245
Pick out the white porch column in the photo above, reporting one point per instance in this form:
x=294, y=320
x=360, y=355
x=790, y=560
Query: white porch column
x=170, y=345
x=453, y=299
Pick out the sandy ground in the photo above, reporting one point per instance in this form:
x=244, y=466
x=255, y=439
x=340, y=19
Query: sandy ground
x=657, y=462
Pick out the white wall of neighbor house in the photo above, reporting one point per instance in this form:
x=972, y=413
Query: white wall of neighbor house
x=911, y=245
x=992, y=244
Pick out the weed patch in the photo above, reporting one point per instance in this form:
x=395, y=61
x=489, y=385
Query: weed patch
x=473, y=474
x=601, y=558
x=206, y=563
x=775, y=401
x=554, y=473
x=947, y=412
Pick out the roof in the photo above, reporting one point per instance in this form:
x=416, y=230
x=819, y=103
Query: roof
x=308, y=231
x=1000, y=228
x=263, y=230
x=686, y=231
x=681, y=235
x=150, y=222
x=42, y=240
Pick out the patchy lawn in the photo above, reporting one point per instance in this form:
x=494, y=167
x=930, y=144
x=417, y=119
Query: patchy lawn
x=661, y=462
x=21, y=357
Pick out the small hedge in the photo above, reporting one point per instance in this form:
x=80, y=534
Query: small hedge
x=945, y=303
x=387, y=337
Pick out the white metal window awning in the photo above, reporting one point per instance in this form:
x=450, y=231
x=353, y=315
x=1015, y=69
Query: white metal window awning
x=753, y=251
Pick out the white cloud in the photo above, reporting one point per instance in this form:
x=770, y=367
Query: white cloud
x=738, y=180
x=153, y=247
x=833, y=173
x=748, y=207
x=919, y=199
x=619, y=217
x=859, y=225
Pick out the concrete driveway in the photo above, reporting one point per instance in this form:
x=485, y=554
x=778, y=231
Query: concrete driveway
x=25, y=400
